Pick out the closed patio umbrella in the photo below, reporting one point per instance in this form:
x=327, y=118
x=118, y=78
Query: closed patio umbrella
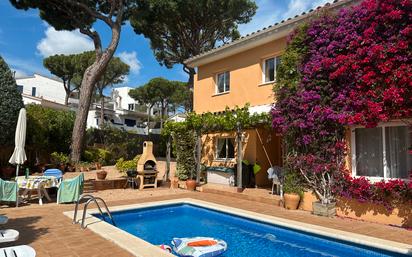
x=19, y=155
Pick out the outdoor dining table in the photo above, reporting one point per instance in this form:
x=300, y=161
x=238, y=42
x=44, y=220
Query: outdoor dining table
x=37, y=183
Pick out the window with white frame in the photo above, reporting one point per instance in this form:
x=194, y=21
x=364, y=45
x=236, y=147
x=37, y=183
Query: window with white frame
x=223, y=82
x=225, y=148
x=382, y=152
x=269, y=69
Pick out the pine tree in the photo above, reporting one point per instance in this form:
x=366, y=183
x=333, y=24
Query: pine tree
x=10, y=104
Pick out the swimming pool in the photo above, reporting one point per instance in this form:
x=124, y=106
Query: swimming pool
x=245, y=237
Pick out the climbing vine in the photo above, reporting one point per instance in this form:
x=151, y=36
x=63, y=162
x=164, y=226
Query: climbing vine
x=227, y=120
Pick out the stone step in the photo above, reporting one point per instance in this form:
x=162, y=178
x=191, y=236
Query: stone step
x=268, y=200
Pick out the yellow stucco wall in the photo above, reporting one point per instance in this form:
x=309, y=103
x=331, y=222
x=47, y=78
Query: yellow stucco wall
x=245, y=79
x=252, y=151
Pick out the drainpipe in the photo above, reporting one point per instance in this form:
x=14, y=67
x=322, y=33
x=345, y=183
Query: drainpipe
x=239, y=158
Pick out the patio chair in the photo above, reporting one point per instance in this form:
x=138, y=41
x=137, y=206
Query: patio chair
x=275, y=174
x=3, y=219
x=8, y=235
x=9, y=191
x=54, y=173
x=18, y=251
x=70, y=189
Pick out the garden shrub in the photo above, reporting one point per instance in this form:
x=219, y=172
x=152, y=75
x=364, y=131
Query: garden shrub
x=59, y=158
x=124, y=165
x=48, y=129
x=117, y=142
x=185, y=142
x=10, y=104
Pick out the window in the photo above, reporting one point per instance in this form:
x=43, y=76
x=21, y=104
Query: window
x=382, y=151
x=131, y=107
x=129, y=122
x=33, y=91
x=223, y=82
x=225, y=148
x=20, y=89
x=269, y=69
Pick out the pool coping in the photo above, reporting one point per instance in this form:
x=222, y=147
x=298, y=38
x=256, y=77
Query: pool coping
x=141, y=248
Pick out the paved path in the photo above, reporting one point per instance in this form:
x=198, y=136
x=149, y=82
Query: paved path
x=51, y=233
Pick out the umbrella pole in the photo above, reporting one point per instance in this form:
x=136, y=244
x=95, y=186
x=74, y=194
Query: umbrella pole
x=17, y=170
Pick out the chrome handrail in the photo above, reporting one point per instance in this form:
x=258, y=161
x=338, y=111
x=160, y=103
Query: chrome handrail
x=94, y=199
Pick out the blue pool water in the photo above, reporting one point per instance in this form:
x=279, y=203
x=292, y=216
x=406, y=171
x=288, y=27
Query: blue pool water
x=244, y=237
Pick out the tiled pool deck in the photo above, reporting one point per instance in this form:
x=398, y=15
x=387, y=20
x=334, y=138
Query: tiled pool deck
x=51, y=233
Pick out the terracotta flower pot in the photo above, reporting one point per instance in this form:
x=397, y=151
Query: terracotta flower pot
x=291, y=201
x=191, y=184
x=98, y=165
x=101, y=174
x=174, y=183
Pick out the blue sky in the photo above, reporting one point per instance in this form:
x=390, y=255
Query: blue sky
x=25, y=40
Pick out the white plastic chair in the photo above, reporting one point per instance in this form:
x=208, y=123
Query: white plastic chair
x=8, y=235
x=275, y=174
x=18, y=251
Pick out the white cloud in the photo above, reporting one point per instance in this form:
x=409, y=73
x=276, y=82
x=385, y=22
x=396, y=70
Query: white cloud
x=63, y=42
x=270, y=12
x=130, y=58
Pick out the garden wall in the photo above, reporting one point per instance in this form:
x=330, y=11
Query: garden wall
x=349, y=208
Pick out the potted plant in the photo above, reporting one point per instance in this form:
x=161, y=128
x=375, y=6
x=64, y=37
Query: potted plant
x=59, y=160
x=101, y=174
x=191, y=183
x=293, y=190
x=83, y=166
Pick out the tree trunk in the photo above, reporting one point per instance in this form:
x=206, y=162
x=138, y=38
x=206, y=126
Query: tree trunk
x=67, y=90
x=101, y=107
x=190, y=83
x=148, y=119
x=168, y=155
x=66, y=98
x=90, y=78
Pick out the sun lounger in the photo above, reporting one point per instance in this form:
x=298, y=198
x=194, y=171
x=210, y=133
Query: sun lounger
x=18, y=251
x=3, y=219
x=8, y=235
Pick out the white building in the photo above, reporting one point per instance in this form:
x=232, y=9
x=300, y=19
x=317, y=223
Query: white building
x=38, y=87
x=121, y=111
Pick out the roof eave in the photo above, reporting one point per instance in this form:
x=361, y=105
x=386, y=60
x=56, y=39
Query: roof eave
x=260, y=37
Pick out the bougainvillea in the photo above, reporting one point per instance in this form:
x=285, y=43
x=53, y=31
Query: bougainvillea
x=342, y=69
x=387, y=193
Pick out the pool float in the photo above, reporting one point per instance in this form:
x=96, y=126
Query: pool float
x=199, y=246
x=166, y=248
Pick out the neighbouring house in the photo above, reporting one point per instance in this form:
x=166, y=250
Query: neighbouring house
x=44, y=90
x=243, y=72
x=120, y=110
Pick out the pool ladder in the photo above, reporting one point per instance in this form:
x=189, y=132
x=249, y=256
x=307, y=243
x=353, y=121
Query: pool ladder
x=96, y=200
